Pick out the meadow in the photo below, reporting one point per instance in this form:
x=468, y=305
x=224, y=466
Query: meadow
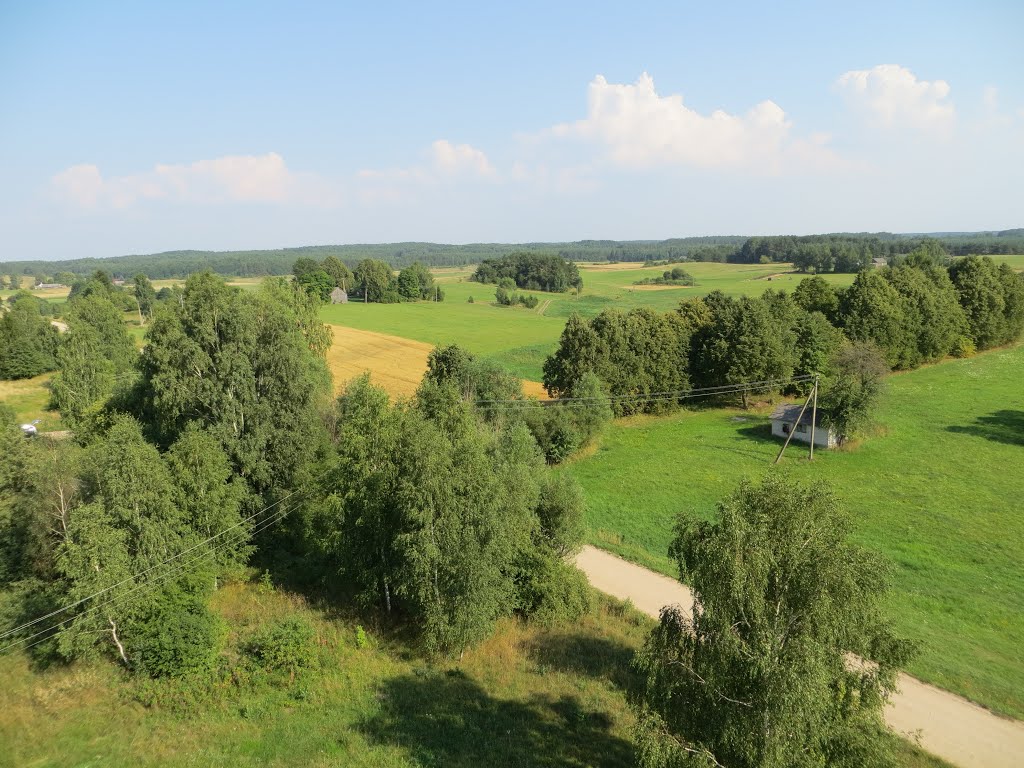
x=521, y=339
x=936, y=489
x=30, y=399
x=528, y=696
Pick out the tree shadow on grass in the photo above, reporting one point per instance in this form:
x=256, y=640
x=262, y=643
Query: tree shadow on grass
x=449, y=720
x=582, y=654
x=1004, y=426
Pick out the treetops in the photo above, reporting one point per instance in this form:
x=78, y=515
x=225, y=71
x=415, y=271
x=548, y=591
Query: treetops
x=913, y=314
x=372, y=279
x=531, y=271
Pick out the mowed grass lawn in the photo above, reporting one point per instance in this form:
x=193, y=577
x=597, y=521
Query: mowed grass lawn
x=939, y=491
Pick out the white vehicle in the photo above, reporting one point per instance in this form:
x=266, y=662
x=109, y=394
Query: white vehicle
x=30, y=429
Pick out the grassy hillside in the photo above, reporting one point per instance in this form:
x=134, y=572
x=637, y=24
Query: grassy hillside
x=527, y=697
x=937, y=491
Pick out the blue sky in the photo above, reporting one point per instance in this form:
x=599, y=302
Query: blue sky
x=141, y=127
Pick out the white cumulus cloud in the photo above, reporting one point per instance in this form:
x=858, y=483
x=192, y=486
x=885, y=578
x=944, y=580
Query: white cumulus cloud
x=892, y=96
x=445, y=163
x=451, y=158
x=232, y=178
x=642, y=129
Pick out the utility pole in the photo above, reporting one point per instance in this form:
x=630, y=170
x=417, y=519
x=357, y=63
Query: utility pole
x=814, y=415
x=797, y=424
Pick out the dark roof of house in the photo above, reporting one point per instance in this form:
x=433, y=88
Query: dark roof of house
x=789, y=412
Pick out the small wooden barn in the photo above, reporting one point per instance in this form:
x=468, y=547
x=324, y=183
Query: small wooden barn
x=784, y=422
x=339, y=296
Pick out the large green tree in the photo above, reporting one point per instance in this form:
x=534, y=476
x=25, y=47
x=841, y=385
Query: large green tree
x=128, y=524
x=743, y=341
x=873, y=310
x=850, y=391
x=28, y=342
x=208, y=495
x=762, y=675
x=246, y=367
x=931, y=311
x=416, y=282
x=95, y=356
x=375, y=281
x=437, y=517
x=339, y=272
x=816, y=294
x=145, y=295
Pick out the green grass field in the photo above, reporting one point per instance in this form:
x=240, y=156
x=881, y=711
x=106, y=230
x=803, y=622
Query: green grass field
x=29, y=398
x=529, y=696
x=938, y=491
x=521, y=339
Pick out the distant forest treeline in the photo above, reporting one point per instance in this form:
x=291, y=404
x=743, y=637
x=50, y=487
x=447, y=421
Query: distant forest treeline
x=831, y=252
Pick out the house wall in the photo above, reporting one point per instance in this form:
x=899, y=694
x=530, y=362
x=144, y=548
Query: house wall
x=822, y=436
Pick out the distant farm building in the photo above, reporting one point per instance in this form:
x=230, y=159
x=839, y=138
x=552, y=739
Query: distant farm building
x=878, y=262
x=44, y=286
x=339, y=296
x=784, y=422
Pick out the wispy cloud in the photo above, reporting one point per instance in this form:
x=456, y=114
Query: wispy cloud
x=232, y=178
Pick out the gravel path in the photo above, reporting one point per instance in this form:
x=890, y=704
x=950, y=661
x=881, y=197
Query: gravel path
x=953, y=728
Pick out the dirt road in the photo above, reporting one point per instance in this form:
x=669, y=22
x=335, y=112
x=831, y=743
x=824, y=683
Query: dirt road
x=951, y=727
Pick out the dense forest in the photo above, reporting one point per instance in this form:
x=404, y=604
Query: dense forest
x=839, y=252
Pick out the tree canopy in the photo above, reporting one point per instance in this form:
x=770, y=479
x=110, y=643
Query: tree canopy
x=531, y=271
x=761, y=675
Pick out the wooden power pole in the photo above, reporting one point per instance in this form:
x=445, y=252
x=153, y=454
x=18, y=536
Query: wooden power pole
x=797, y=424
x=814, y=414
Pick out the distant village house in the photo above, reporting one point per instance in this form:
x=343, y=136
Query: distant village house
x=784, y=422
x=339, y=296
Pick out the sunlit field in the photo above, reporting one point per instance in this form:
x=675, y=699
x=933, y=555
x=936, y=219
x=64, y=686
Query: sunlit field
x=937, y=490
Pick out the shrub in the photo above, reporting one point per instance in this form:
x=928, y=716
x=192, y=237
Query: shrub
x=175, y=640
x=285, y=646
x=551, y=590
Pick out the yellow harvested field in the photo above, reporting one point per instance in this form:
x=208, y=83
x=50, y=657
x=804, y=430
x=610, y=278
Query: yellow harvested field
x=534, y=389
x=394, y=363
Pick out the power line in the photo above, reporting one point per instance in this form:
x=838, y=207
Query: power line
x=133, y=577
x=723, y=389
x=263, y=525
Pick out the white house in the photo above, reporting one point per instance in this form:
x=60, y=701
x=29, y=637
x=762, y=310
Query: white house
x=339, y=296
x=784, y=421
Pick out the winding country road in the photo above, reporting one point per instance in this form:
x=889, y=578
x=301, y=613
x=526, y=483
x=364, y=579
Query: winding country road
x=951, y=727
